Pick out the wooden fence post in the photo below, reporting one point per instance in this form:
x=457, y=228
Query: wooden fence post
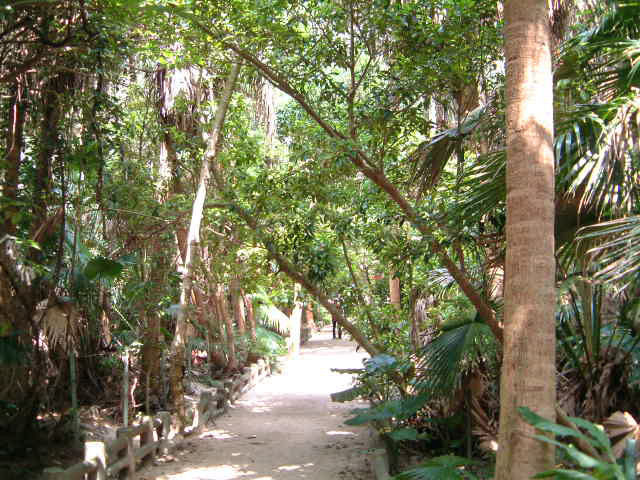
x=201, y=417
x=129, y=472
x=146, y=438
x=96, y=451
x=163, y=432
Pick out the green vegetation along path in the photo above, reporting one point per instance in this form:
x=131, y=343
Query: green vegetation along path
x=285, y=428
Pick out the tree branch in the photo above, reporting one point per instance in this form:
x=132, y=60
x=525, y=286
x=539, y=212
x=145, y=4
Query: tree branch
x=360, y=159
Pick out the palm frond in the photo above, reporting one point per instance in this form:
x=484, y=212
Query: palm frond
x=486, y=185
x=430, y=158
x=596, y=143
x=619, y=252
x=444, y=360
x=596, y=151
x=448, y=467
x=440, y=282
x=269, y=315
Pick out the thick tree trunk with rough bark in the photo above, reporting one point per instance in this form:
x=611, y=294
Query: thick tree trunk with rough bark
x=528, y=368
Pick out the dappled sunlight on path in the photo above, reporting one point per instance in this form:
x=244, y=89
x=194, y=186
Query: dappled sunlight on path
x=285, y=428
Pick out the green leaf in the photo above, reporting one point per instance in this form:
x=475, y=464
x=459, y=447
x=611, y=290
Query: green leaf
x=599, y=436
x=547, y=426
x=382, y=362
x=630, y=460
x=410, y=434
x=582, y=459
x=447, y=467
x=103, y=267
x=348, y=394
x=566, y=475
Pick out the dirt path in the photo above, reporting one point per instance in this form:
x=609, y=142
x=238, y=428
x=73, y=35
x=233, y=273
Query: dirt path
x=285, y=428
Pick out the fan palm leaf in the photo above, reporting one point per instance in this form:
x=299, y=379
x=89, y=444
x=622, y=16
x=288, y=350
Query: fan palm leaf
x=431, y=156
x=447, y=467
x=444, y=360
x=619, y=253
x=596, y=144
x=269, y=315
x=485, y=183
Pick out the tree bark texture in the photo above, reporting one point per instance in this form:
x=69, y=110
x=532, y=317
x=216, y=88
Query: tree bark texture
x=528, y=369
x=394, y=290
x=223, y=313
x=238, y=306
x=251, y=318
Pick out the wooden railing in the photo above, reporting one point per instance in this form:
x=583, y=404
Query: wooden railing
x=137, y=445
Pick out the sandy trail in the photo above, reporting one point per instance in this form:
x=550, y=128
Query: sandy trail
x=285, y=428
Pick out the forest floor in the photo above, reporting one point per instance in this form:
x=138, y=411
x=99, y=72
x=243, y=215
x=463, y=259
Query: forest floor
x=285, y=428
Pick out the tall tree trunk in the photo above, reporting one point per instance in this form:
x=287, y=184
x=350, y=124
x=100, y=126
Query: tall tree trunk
x=223, y=313
x=238, y=306
x=295, y=322
x=54, y=88
x=152, y=346
x=394, y=290
x=12, y=159
x=251, y=318
x=528, y=369
x=178, y=345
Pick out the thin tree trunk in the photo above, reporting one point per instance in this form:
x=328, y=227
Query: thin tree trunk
x=152, y=346
x=364, y=164
x=12, y=159
x=178, y=345
x=251, y=319
x=295, y=322
x=48, y=142
x=394, y=289
x=359, y=293
x=297, y=276
x=221, y=300
x=238, y=306
x=528, y=369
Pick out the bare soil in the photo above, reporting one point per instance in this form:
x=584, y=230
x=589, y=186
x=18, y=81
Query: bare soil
x=285, y=428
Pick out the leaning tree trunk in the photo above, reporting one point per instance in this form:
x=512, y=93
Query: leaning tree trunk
x=528, y=369
x=178, y=345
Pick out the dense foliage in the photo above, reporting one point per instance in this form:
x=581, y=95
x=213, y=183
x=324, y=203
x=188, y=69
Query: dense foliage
x=362, y=157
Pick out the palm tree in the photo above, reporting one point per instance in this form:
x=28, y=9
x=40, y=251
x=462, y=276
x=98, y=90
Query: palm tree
x=528, y=370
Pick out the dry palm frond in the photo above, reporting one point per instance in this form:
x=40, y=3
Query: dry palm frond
x=484, y=428
x=61, y=326
x=621, y=427
x=430, y=157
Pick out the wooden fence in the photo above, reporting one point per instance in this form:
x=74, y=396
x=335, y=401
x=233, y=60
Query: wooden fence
x=137, y=445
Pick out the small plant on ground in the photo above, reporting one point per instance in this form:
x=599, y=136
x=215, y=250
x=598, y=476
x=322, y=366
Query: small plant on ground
x=599, y=464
